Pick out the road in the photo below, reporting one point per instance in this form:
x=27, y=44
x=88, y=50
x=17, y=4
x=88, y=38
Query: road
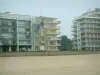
x=51, y=65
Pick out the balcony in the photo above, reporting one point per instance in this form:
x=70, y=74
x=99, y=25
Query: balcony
x=93, y=22
x=74, y=34
x=74, y=30
x=52, y=23
x=43, y=18
x=74, y=26
x=54, y=28
x=54, y=38
x=90, y=36
x=52, y=33
x=85, y=31
x=74, y=42
x=90, y=27
x=53, y=44
x=75, y=47
x=74, y=38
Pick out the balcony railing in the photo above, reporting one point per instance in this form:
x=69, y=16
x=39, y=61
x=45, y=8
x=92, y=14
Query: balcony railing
x=74, y=26
x=53, y=44
x=74, y=30
x=74, y=38
x=92, y=41
x=74, y=42
x=95, y=22
x=53, y=33
x=90, y=37
x=54, y=22
x=56, y=38
x=90, y=27
x=74, y=34
x=55, y=28
x=90, y=31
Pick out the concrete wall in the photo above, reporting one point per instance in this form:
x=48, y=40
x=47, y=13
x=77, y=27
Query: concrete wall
x=54, y=53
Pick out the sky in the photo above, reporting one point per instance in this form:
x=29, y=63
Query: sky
x=64, y=10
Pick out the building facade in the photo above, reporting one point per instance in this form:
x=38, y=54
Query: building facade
x=17, y=32
x=86, y=31
x=47, y=34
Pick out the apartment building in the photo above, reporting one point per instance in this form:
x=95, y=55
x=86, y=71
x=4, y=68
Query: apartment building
x=86, y=31
x=47, y=34
x=17, y=32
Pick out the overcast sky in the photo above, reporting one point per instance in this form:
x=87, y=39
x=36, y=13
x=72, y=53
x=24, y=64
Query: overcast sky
x=64, y=10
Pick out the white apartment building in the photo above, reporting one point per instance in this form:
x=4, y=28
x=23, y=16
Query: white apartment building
x=86, y=31
x=17, y=32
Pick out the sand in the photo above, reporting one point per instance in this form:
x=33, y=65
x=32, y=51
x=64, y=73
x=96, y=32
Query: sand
x=51, y=65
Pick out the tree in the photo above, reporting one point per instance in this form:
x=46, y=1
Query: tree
x=69, y=44
x=63, y=42
x=66, y=43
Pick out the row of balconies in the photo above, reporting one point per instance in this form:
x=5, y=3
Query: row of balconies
x=92, y=42
x=24, y=43
x=74, y=30
x=8, y=42
x=98, y=33
x=89, y=27
x=89, y=31
x=75, y=47
x=49, y=32
x=54, y=22
x=74, y=26
x=53, y=38
x=7, y=23
x=86, y=31
x=53, y=44
x=84, y=46
x=74, y=34
x=75, y=42
x=90, y=36
x=56, y=28
x=98, y=22
x=53, y=33
x=90, y=46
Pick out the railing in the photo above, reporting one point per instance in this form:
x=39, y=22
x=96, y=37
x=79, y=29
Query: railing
x=74, y=26
x=74, y=34
x=74, y=42
x=57, y=28
x=90, y=27
x=56, y=33
x=98, y=22
x=74, y=30
x=90, y=36
x=55, y=22
x=54, y=38
x=74, y=39
x=90, y=31
x=53, y=44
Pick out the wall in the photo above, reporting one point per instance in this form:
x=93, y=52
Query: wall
x=51, y=53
